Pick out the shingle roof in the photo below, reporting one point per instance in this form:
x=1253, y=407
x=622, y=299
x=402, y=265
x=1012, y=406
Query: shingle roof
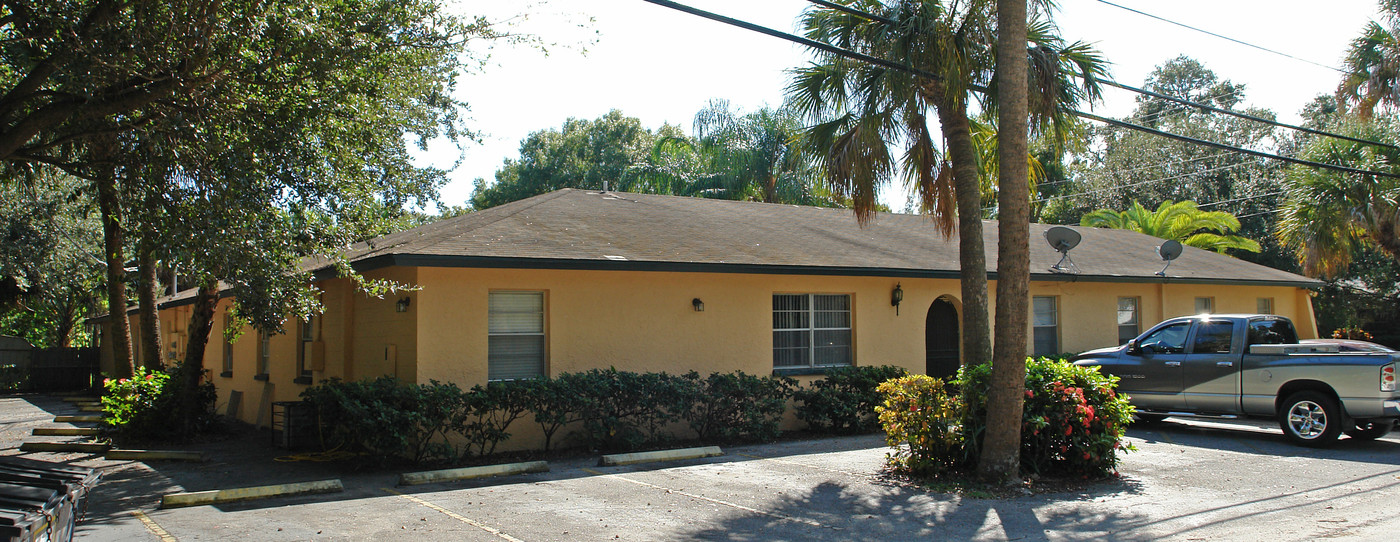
x=612, y=230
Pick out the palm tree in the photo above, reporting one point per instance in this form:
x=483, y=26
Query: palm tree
x=1001, y=444
x=869, y=120
x=1329, y=216
x=753, y=156
x=1179, y=221
x=1373, y=65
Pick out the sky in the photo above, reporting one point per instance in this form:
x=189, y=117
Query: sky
x=662, y=66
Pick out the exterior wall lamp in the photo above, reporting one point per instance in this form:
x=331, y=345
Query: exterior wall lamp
x=896, y=297
x=698, y=305
x=402, y=304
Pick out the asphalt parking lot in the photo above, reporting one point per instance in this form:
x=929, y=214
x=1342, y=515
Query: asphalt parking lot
x=1189, y=480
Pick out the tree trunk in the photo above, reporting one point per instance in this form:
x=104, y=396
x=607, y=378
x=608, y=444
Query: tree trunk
x=146, y=292
x=1001, y=443
x=972, y=253
x=191, y=371
x=109, y=203
x=201, y=323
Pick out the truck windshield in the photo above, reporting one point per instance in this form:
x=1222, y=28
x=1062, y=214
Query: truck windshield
x=1272, y=332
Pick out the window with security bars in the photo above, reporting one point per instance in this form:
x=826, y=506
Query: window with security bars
x=811, y=330
x=1127, y=319
x=515, y=340
x=1045, y=325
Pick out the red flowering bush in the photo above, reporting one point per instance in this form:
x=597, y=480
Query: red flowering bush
x=1072, y=423
x=133, y=404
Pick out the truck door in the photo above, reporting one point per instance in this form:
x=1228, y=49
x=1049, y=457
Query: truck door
x=1153, y=378
x=1211, y=369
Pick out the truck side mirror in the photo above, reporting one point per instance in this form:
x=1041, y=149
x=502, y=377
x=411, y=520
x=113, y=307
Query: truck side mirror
x=1133, y=347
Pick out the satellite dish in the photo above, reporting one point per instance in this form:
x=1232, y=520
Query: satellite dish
x=1168, y=251
x=1062, y=239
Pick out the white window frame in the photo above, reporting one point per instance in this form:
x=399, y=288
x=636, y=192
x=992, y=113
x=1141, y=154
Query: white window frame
x=1209, y=305
x=1054, y=327
x=542, y=333
x=1136, y=323
x=1264, y=305
x=810, y=330
x=306, y=334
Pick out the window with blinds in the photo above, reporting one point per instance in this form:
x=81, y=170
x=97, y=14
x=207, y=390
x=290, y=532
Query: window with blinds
x=811, y=330
x=1045, y=325
x=515, y=341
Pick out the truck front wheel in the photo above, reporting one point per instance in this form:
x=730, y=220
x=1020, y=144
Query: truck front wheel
x=1309, y=418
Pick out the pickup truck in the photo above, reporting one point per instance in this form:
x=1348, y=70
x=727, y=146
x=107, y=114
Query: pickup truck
x=1253, y=365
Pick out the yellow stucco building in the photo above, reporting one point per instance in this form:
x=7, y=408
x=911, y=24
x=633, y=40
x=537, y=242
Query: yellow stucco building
x=574, y=280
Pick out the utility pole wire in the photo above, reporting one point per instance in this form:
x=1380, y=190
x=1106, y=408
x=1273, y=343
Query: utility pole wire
x=1250, y=152
x=915, y=71
x=1237, y=114
x=1204, y=107
x=1226, y=38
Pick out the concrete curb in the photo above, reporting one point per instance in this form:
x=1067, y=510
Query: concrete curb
x=219, y=496
x=66, y=431
x=450, y=475
x=76, y=419
x=149, y=455
x=92, y=408
x=616, y=460
x=86, y=447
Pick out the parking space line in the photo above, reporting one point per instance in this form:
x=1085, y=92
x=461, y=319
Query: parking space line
x=805, y=465
x=456, y=516
x=782, y=517
x=155, y=528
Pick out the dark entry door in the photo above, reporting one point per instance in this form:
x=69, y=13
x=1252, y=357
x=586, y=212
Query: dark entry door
x=941, y=340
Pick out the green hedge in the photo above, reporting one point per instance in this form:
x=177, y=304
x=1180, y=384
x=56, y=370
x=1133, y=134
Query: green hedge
x=603, y=409
x=845, y=400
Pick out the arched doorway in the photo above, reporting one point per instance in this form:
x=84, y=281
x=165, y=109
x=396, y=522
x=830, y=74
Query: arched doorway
x=941, y=339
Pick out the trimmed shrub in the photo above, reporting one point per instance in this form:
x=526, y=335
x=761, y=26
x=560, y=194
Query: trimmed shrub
x=387, y=419
x=726, y=407
x=623, y=410
x=922, y=422
x=845, y=400
x=488, y=411
x=1073, y=422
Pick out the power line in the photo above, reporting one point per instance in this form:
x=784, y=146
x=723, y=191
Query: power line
x=1251, y=152
x=1227, y=38
x=1122, y=186
x=1204, y=107
x=1237, y=114
x=915, y=71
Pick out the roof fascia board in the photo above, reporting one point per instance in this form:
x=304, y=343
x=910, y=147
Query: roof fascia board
x=428, y=260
